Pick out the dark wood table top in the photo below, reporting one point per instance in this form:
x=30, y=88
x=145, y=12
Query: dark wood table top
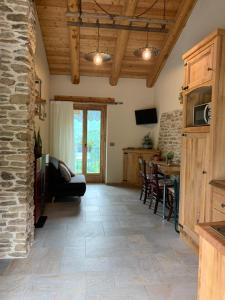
x=169, y=170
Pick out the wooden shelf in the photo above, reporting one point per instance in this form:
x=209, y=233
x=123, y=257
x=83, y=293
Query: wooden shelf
x=198, y=96
x=39, y=100
x=199, y=129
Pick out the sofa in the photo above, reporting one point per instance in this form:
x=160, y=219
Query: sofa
x=59, y=187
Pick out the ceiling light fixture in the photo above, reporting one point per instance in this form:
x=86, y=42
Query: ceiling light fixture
x=97, y=57
x=146, y=52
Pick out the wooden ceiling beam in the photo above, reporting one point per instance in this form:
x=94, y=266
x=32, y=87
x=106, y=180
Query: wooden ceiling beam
x=74, y=41
x=121, y=43
x=81, y=99
x=100, y=17
x=183, y=15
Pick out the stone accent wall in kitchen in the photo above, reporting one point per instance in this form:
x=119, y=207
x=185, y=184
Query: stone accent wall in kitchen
x=17, y=47
x=170, y=133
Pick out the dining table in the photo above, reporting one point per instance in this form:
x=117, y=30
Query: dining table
x=169, y=170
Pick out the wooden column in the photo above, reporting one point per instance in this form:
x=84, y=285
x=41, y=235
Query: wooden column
x=121, y=43
x=183, y=14
x=74, y=41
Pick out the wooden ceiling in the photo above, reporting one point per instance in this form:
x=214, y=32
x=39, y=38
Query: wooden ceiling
x=65, y=45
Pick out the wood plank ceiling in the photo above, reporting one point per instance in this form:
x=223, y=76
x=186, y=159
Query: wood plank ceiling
x=65, y=46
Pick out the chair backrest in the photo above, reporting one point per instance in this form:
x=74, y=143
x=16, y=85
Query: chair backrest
x=142, y=169
x=154, y=177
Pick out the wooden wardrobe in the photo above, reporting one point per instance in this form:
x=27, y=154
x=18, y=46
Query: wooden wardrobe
x=203, y=147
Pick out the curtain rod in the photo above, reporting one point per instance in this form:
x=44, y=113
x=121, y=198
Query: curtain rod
x=93, y=103
x=87, y=100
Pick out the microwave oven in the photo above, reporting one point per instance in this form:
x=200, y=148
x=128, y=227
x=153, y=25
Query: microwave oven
x=202, y=114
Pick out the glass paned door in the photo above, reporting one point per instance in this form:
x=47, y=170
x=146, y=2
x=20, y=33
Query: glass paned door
x=93, y=141
x=89, y=142
x=78, y=141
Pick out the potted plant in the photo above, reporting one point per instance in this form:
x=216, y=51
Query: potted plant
x=147, y=142
x=38, y=144
x=169, y=157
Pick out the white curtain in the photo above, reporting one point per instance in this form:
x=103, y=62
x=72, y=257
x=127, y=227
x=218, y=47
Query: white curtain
x=61, y=132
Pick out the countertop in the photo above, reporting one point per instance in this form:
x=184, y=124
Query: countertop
x=218, y=183
x=130, y=149
x=211, y=235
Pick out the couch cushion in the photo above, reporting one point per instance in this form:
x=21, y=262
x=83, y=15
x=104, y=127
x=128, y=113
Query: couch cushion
x=64, y=172
x=78, y=179
x=54, y=161
x=76, y=187
x=54, y=173
x=71, y=172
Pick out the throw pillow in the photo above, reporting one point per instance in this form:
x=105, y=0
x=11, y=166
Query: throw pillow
x=64, y=172
x=71, y=172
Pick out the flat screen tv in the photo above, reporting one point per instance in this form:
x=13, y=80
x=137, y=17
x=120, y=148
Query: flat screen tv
x=146, y=116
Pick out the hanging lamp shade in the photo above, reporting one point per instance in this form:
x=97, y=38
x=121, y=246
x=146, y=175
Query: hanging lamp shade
x=97, y=57
x=146, y=52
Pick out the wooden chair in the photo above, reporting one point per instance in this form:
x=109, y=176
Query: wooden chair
x=145, y=184
x=142, y=167
x=173, y=202
x=156, y=191
x=170, y=201
x=157, y=185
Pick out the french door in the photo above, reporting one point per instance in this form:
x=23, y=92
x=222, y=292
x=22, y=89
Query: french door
x=89, y=142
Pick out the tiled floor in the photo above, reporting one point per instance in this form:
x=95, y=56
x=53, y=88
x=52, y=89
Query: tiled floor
x=110, y=247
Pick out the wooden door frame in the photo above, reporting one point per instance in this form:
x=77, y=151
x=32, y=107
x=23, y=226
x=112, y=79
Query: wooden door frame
x=103, y=108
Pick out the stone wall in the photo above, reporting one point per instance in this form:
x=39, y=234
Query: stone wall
x=17, y=47
x=170, y=133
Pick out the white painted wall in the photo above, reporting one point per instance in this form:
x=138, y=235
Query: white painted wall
x=121, y=126
x=42, y=70
x=206, y=17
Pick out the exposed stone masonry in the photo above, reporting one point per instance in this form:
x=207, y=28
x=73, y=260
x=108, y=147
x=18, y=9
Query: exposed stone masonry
x=170, y=133
x=17, y=47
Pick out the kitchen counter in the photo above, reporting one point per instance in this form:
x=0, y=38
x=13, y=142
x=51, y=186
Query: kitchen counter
x=206, y=231
x=218, y=183
x=211, y=275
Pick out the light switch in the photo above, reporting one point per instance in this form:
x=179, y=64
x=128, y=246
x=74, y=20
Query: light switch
x=112, y=144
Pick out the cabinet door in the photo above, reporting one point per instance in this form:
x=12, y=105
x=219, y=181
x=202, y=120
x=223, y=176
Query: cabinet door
x=199, y=69
x=133, y=169
x=194, y=181
x=218, y=196
x=125, y=157
x=218, y=216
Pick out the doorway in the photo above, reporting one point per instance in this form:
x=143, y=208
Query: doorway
x=90, y=141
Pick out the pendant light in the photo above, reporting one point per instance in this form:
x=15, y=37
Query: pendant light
x=97, y=57
x=146, y=52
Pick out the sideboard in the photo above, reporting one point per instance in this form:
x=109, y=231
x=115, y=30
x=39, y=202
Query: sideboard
x=131, y=166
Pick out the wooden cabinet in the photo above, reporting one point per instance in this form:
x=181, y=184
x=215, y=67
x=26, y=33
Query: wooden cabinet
x=217, y=215
x=40, y=185
x=203, y=147
x=218, y=204
x=131, y=166
x=211, y=274
x=199, y=67
x=194, y=179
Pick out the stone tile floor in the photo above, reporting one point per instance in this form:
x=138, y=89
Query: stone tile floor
x=108, y=247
